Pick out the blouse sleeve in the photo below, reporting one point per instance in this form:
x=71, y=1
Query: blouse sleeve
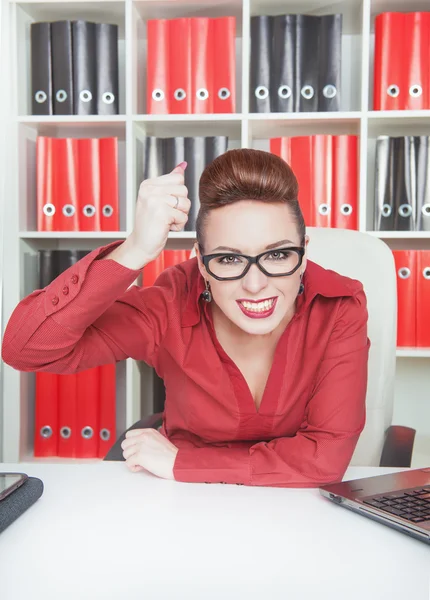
x=88, y=316
x=322, y=448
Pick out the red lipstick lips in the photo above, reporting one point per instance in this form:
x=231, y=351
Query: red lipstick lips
x=260, y=314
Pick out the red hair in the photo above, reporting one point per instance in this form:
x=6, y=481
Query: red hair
x=247, y=174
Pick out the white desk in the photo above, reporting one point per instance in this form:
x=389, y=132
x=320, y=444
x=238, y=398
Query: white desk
x=102, y=532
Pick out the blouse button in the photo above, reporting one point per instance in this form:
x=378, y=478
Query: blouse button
x=55, y=300
x=74, y=279
x=65, y=290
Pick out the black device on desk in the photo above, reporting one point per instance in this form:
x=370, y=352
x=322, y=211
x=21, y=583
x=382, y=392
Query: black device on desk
x=9, y=482
x=399, y=500
x=18, y=492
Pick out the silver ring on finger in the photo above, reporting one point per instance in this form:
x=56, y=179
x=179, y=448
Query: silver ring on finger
x=177, y=202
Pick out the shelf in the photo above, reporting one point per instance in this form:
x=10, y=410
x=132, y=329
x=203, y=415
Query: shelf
x=401, y=235
x=398, y=115
x=182, y=235
x=188, y=118
x=413, y=352
x=72, y=119
x=320, y=117
x=72, y=235
x=94, y=235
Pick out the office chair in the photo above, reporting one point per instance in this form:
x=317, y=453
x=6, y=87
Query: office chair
x=368, y=259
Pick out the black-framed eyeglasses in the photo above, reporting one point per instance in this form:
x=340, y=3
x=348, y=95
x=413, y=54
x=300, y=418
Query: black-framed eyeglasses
x=273, y=263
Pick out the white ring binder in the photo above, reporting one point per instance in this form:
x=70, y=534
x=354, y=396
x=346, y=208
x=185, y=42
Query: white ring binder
x=66, y=432
x=157, y=95
x=415, y=90
x=224, y=93
x=49, y=209
x=346, y=209
x=284, y=91
x=393, y=90
x=405, y=210
x=107, y=210
x=69, y=210
x=404, y=273
x=85, y=96
x=329, y=91
x=61, y=96
x=46, y=431
x=307, y=92
x=261, y=92
x=89, y=210
x=202, y=94
x=40, y=97
x=108, y=98
x=323, y=209
x=179, y=94
x=386, y=210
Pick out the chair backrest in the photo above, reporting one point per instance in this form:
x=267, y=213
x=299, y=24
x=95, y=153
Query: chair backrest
x=368, y=259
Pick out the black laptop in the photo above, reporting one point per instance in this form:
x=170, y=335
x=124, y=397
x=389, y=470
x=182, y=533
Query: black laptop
x=399, y=500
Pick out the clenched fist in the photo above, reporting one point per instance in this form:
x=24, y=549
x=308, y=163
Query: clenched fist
x=162, y=206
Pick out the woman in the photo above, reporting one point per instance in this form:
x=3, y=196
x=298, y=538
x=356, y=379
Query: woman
x=263, y=353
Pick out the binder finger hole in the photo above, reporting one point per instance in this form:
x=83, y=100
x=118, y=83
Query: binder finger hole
x=89, y=210
x=415, y=91
x=66, y=432
x=426, y=273
x=307, y=92
x=40, y=97
x=179, y=94
x=157, y=95
x=108, y=98
x=224, y=93
x=404, y=273
x=46, y=432
x=105, y=434
x=107, y=210
x=61, y=96
x=68, y=210
x=329, y=91
x=386, y=210
x=284, y=91
x=405, y=210
x=346, y=209
x=85, y=96
x=261, y=92
x=426, y=210
x=49, y=210
x=87, y=433
x=393, y=90
x=202, y=94
x=323, y=209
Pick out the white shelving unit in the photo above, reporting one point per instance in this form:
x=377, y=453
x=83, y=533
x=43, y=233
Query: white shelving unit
x=412, y=403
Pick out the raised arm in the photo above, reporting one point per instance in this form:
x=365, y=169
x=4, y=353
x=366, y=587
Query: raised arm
x=84, y=318
x=87, y=316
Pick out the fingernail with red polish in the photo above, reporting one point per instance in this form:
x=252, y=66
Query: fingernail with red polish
x=183, y=164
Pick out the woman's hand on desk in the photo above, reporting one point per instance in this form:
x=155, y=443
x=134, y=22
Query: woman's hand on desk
x=149, y=449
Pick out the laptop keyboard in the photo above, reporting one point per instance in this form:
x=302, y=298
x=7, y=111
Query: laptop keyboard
x=413, y=505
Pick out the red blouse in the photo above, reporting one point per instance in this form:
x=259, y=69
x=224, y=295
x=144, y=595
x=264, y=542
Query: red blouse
x=313, y=408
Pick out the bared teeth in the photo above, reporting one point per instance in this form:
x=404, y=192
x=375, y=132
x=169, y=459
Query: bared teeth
x=258, y=306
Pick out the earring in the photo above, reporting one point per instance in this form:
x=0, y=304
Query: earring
x=206, y=295
x=301, y=287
